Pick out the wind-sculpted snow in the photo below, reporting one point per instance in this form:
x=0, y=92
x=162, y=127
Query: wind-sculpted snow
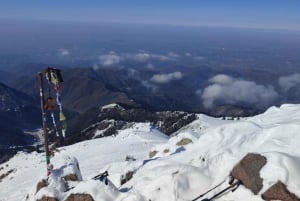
x=200, y=156
x=286, y=114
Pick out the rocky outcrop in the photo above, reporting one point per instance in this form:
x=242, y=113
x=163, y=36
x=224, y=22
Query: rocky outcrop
x=247, y=171
x=48, y=199
x=152, y=154
x=167, y=121
x=41, y=185
x=80, y=197
x=70, y=177
x=126, y=177
x=6, y=174
x=184, y=141
x=279, y=192
x=108, y=120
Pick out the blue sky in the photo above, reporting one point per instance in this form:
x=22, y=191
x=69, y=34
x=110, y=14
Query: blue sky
x=232, y=13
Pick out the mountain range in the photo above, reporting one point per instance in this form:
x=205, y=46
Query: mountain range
x=85, y=90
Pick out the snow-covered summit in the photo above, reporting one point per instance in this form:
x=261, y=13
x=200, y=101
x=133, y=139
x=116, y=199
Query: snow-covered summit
x=200, y=156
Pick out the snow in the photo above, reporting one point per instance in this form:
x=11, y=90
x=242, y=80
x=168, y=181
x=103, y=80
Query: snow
x=285, y=114
x=100, y=133
x=176, y=172
x=113, y=105
x=94, y=156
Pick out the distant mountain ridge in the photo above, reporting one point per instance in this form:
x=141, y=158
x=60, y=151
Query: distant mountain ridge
x=85, y=88
x=80, y=90
x=18, y=112
x=107, y=120
x=12, y=99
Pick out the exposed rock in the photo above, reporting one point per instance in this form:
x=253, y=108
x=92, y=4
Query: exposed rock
x=70, y=177
x=126, y=177
x=48, y=199
x=6, y=174
x=247, y=171
x=184, y=141
x=152, y=154
x=279, y=192
x=166, y=151
x=130, y=158
x=40, y=185
x=80, y=197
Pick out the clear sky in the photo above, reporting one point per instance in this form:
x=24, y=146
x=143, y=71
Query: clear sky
x=233, y=13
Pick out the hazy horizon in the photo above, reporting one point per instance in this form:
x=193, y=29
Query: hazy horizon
x=81, y=44
x=267, y=14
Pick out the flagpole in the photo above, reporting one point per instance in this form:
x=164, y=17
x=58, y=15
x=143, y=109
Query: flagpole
x=46, y=142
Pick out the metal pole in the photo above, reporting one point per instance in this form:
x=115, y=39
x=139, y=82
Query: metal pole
x=46, y=143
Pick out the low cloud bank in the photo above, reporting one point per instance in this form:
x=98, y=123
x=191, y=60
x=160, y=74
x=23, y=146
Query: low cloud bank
x=166, y=78
x=289, y=81
x=110, y=59
x=228, y=90
x=144, y=57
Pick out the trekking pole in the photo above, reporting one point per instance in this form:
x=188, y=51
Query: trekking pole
x=102, y=177
x=200, y=196
x=236, y=185
x=46, y=143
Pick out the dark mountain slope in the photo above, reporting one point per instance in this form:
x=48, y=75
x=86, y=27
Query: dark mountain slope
x=80, y=90
x=6, y=77
x=18, y=112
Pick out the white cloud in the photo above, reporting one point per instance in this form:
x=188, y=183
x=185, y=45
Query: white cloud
x=141, y=57
x=199, y=57
x=221, y=79
x=187, y=54
x=144, y=57
x=150, y=66
x=160, y=57
x=110, y=59
x=165, y=78
x=288, y=82
x=133, y=73
x=113, y=58
x=149, y=86
x=229, y=90
x=173, y=55
x=63, y=52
